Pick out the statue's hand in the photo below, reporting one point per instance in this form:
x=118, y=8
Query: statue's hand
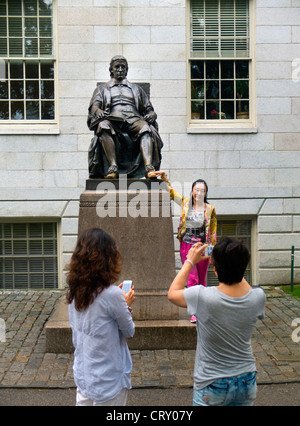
x=150, y=117
x=100, y=113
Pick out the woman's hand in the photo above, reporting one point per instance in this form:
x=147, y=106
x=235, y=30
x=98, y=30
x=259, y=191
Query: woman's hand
x=129, y=297
x=163, y=175
x=195, y=254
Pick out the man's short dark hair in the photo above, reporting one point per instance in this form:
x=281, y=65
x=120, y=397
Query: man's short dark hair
x=230, y=257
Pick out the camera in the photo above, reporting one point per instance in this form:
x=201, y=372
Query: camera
x=208, y=250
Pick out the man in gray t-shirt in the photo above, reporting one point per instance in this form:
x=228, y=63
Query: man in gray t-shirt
x=225, y=369
x=224, y=330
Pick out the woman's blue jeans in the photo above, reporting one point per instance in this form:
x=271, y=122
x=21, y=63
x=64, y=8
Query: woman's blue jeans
x=231, y=391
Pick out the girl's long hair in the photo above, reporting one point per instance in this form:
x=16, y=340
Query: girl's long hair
x=95, y=265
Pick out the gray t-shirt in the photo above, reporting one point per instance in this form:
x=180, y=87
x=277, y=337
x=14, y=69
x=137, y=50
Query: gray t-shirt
x=224, y=330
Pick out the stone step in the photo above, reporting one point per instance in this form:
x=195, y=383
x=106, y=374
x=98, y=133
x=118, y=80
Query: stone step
x=149, y=335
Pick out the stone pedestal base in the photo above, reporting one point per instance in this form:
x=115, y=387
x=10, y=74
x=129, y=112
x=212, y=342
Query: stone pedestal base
x=138, y=215
x=149, y=335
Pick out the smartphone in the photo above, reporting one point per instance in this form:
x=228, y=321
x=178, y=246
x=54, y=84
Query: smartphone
x=127, y=284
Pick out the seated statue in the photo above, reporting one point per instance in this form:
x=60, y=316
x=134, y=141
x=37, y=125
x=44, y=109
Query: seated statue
x=126, y=138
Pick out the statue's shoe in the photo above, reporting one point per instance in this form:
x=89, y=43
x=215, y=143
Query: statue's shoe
x=112, y=173
x=149, y=169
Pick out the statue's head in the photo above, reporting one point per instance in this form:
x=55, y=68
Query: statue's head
x=115, y=60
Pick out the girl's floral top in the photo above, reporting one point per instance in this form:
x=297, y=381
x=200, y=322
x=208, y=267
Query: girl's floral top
x=210, y=217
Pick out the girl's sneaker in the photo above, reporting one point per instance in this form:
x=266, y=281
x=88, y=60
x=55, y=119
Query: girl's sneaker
x=193, y=319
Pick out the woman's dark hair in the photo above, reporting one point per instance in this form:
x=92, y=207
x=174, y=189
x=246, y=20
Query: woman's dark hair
x=95, y=264
x=206, y=187
x=230, y=257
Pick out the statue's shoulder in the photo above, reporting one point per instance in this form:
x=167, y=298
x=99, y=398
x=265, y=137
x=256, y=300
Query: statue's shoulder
x=102, y=86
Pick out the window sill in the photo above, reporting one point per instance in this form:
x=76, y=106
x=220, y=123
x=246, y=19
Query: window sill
x=15, y=129
x=210, y=128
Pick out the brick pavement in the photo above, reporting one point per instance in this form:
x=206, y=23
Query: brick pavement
x=24, y=363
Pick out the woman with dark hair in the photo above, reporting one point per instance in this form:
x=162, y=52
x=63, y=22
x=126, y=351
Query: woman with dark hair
x=198, y=223
x=101, y=320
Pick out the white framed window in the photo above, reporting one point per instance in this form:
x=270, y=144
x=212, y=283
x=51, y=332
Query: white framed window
x=29, y=256
x=220, y=64
x=27, y=55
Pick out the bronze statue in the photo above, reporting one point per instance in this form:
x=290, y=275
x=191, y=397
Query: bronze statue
x=126, y=138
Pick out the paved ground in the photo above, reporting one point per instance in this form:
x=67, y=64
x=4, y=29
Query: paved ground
x=287, y=394
x=24, y=363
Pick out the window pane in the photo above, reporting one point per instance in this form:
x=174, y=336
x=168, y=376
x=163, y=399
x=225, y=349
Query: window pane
x=49, y=230
x=45, y=7
x=30, y=7
x=3, y=27
x=32, y=110
x=31, y=47
x=19, y=247
x=47, y=70
x=212, y=110
x=242, y=108
x=46, y=27
x=17, y=110
x=35, y=230
x=227, y=89
x=212, y=70
x=16, y=69
x=19, y=230
x=242, y=89
x=197, y=69
x=4, y=111
x=3, y=89
x=47, y=89
x=3, y=47
x=32, y=70
x=227, y=110
x=15, y=27
x=15, y=47
x=227, y=69
x=49, y=247
x=36, y=264
x=197, y=90
x=3, y=8
x=15, y=7
x=46, y=47
x=212, y=89
x=17, y=89
x=31, y=27
x=242, y=69
x=35, y=247
x=48, y=111
x=6, y=248
x=198, y=110
x=32, y=89
x=21, y=265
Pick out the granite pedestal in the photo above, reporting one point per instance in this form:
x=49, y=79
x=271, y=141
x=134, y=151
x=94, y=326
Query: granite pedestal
x=137, y=214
